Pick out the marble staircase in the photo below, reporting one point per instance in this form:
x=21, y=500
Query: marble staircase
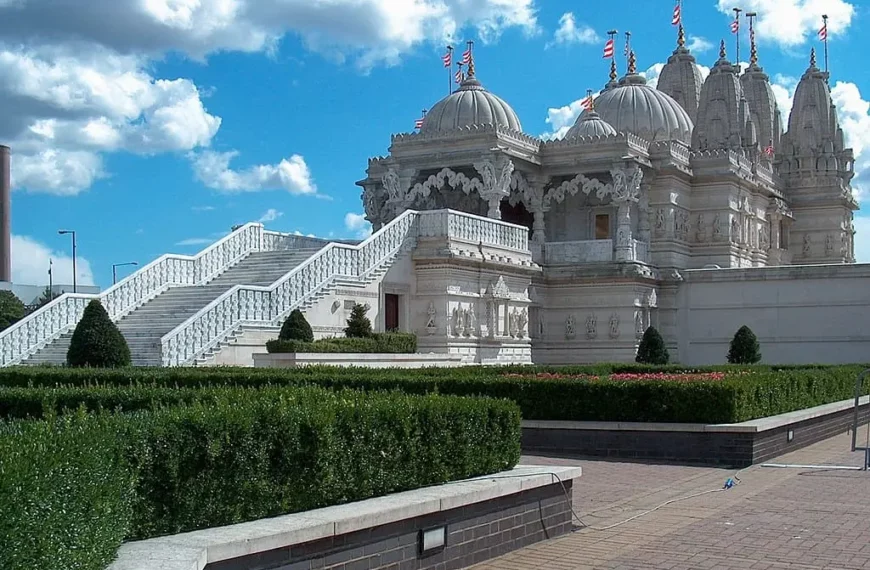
x=145, y=326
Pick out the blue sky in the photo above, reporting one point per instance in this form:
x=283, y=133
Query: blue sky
x=156, y=126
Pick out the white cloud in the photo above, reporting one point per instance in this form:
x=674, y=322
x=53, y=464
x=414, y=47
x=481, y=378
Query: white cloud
x=358, y=224
x=194, y=241
x=569, y=33
x=862, y=239
x=202, y=208
x=291, y=174
x=698, y=44
x=270, y=215
x=791, y=22
x=854, y=114
x=60, y=113
x=30, y=260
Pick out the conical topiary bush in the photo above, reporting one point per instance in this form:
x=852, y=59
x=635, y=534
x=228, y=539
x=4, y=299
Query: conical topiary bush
x=652, y=349
x=296, y=327
x=744, y=347
x=358, y=325
x=97, y=342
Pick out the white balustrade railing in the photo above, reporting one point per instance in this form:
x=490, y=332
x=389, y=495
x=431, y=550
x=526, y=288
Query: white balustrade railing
x=251, y=305
x=26, y=337
x=587, y=251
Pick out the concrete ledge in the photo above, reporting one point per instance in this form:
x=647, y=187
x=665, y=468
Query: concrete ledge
x=198, y=549
x=368, y=360
x=733, y=445
x=751, y=426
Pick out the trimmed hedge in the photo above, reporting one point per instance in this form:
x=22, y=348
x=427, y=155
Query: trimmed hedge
x=72, y=489
x=385, y=343
x=745, y=393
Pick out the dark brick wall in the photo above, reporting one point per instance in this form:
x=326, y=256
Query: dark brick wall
x=729, y=449
x=474, y=533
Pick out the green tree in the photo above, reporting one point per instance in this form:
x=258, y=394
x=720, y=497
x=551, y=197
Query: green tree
x=12, y=309
x=296, y=327
x=47, y=297
x=652, y=349
x=97, y=342
x=744, y=347
x=358, y=325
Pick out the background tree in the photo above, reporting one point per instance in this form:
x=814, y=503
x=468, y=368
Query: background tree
x=97, y=342
x=12, y=309
x=47, y=297
x=358, y=325
x=652, y=349
x=296, y=327
x=744, y=347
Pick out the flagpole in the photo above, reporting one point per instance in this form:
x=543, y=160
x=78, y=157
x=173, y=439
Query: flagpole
x=627, y=49
x=825, y=20
x=737, y=51
x=449, y=70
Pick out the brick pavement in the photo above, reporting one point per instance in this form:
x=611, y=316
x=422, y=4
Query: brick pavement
x=797, y=519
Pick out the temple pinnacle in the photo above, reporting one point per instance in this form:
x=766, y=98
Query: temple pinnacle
x=632, y=63
x=681, y=37
x=613, y=73
x=813, y=57
x=722, y=53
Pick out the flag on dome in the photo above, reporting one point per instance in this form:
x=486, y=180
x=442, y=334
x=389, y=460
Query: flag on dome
x=768, y=150
x=587, y=103
x=459, y=76
x=608, y=48
x=735, y=26
x=418, y=124
x=447, y=58
x=823, y=32
x=466, y=56
x=678, y=14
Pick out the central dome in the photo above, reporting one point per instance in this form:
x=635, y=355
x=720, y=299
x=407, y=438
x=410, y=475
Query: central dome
x=633, y=106
x=471, y=104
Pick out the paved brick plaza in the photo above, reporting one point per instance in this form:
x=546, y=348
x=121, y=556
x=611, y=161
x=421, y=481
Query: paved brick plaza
x=775, y=519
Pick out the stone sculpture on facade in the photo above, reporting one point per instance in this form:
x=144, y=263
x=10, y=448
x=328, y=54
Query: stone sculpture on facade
x=591, y=325
x=614, y=326
x=570, y=328
x=431, y=326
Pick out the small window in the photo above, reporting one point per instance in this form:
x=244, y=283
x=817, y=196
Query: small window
x=602, y=226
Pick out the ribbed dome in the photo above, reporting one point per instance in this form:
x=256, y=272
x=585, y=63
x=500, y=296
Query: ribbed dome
x=635, y=107
x=590, y=124
x=471, y=104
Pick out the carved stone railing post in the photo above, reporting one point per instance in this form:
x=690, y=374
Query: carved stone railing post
x=626, y=191
x=496, y=182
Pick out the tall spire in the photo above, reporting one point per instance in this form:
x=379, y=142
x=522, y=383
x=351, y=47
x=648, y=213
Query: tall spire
x=753, y=49
x=632, y=63
x=591, y=100
x=722, y=53
x=470, y=59
x=681, y=37
x=812, y=58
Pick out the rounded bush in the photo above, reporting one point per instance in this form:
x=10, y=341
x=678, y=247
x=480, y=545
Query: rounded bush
x=652, y=349
x=744, y=347
x=358, y=325
x=296, y=327
x=97, y=342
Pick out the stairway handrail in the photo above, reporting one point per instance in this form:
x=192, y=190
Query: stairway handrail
x=27, y=336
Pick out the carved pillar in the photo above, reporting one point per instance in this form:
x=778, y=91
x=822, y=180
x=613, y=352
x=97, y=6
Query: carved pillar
x=538, y=234
x=495, y=175
x=643, y=222
x=626, y=190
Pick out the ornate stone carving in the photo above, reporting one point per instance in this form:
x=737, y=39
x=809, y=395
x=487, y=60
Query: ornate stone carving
x=660, y=222
x=735, y=230
x=470, y=321
x=638, y=324
x=496, y=176
x=591, y=325
x=681, y=224
x=522, y=321
x=514, y=324
x=570, y=328
x=808, y=244
x=626, y=183
x=614, y=326
x=498, y=289
x=455, y=180
x=701, y=232
x=458, y=320
x=579, y=183
x=431, y=325
x=829, y=244
x=717, y=227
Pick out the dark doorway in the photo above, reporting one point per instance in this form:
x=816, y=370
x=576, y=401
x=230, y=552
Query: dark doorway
x=517, y=214
x=391, y=312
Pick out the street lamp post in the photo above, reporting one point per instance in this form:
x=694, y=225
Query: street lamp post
x=73, y=232
x=115, y=273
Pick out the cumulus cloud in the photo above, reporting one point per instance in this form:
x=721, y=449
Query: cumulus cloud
x=30, y=260
x=291, y=174
x=76, y=80
x=270, y=215
x=854, y=113
x=569, y=32
x=790, y=23
x=357, y=224
x=697, y=44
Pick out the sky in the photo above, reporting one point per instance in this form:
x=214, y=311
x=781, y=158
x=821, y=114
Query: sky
x=154, y=126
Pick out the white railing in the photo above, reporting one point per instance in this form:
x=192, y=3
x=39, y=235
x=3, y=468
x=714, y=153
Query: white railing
x=641, y=250
x=27, y=336
x=250, y=305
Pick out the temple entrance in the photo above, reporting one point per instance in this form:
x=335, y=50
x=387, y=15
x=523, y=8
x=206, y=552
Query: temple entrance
x=517, y=214
x=391, y=312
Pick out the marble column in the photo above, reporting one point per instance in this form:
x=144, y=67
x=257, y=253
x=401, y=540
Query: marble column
x=495, y=174
x=624, y=247
x=626, y=191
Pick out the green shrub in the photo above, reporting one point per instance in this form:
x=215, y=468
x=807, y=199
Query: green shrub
x=11, y=309
x=66, y=495
x=296, y=327
x=744, y=348
x=358, y=325
x=97, y=342
x=652, y=349
x=386, y=343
